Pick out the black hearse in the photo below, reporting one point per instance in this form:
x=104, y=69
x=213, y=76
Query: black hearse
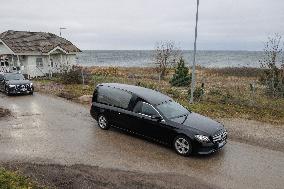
x=153, y=115
x=15, y=83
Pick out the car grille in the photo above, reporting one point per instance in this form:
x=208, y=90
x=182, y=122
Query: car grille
x=219, y=137
x=19, y=87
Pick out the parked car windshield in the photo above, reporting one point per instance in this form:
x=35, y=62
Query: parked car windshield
x=172, y=109
x=14, y=77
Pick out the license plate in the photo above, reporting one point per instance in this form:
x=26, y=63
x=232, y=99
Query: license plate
x=221, y=144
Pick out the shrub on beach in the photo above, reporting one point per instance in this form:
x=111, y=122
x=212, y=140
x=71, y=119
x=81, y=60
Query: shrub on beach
x=181, y=76
x=273, y=76
x=166, y=55
x=197, y=94
x=71, y=76
x=74, y=75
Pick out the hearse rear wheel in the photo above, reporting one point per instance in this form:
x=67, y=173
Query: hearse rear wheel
x=182, y=145
x=103, y=122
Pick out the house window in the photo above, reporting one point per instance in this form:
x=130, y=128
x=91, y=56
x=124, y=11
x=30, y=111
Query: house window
x=39, y=62
x=51, y=63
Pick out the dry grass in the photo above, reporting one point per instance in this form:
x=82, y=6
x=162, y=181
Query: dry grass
x=227, y=93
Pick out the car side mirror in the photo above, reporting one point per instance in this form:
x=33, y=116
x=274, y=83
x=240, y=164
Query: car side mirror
x=156, y=118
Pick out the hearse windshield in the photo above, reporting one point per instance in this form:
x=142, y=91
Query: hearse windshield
x=14, y=77
x=172, y=109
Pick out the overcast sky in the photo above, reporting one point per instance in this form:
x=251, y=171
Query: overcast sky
x=139, y=24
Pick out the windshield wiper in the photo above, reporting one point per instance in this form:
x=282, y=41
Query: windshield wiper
x=185, y=118
x=179, y=116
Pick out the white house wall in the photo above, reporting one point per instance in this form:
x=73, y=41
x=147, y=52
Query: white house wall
x=58, y=60
x=30, y=67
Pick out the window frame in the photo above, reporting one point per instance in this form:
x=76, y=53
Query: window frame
x=39, y=65
x=143, y=102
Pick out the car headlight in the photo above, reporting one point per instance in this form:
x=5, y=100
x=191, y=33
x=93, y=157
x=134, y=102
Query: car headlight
x=12, y=86
x=202, y=138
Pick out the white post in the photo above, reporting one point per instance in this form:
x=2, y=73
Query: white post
x=194, y=55
x=61, y=66
x=18, y=62
x=49, y=66
x=12, y=60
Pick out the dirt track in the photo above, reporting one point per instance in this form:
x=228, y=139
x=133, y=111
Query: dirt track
x=83, y=176
x=47, y=130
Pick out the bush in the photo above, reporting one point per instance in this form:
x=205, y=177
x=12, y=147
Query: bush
x=226, y=98
x=166, y=55
x=71, y=76
x=75, y=76
x=197, y=94
x=181, y=76
x=273, y=77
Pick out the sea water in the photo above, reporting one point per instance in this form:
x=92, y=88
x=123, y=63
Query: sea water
x=146, y=58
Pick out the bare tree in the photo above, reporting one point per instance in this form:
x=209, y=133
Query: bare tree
x=166, y=55
x=273, y=64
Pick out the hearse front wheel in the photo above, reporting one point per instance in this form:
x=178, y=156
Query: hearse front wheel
x=103, y=123
x=182, y=145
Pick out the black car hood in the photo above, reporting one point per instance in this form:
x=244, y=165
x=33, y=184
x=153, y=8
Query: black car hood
x=18, y=82
x=199, y=122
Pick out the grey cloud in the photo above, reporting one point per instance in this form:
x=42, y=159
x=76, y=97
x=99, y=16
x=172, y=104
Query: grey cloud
x=138, y=24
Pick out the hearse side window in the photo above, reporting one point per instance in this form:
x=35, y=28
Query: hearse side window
x=113, y=97
x=144, y=108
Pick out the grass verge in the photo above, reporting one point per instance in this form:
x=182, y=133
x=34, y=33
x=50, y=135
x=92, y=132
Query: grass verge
x=13, y=180
x=228, y=91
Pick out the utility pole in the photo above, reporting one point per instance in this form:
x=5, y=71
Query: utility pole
x=194, y=57
x=61, y=28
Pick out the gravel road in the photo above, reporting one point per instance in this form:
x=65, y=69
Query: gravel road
x=48, y=130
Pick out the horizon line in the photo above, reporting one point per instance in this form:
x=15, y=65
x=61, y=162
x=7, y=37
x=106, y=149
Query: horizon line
x=154, y=50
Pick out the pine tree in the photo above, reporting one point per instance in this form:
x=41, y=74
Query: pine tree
x=181, y=76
